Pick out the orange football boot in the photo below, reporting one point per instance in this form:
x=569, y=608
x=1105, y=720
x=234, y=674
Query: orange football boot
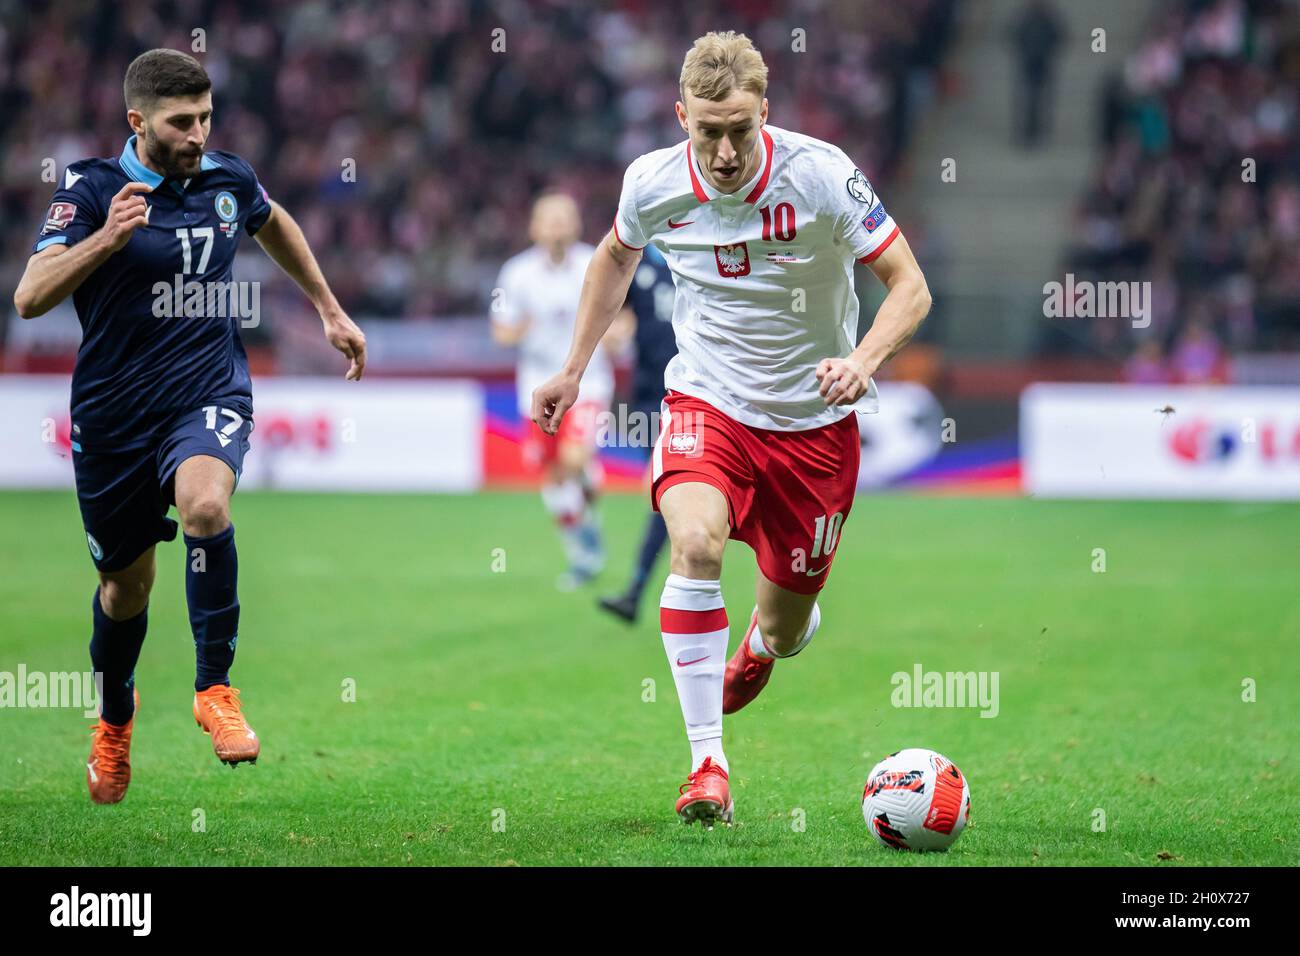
x=217, y=711
x=706, y=796
x=108, y=769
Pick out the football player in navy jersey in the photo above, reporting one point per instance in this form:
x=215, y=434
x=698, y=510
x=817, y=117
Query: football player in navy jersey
x=161, y=399
x=651, y=297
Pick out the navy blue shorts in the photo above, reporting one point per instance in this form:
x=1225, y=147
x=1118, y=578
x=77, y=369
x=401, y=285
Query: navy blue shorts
x=125, y=495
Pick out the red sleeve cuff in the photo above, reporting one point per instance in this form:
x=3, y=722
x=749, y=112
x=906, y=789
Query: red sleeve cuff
x=620, y=238
x=871, y=256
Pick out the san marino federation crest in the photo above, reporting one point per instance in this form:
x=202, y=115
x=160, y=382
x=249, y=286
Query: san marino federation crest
x=226, y=206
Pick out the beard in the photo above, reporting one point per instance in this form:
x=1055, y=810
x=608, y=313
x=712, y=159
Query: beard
x=173, y=162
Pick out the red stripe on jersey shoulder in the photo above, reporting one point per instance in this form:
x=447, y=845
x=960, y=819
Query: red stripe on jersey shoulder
x=675, y=621
x=620, y=238
x=872, y=256
x=767, y=169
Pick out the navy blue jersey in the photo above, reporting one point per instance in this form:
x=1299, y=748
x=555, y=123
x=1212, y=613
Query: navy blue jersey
x=651, y=297
x=137, y=368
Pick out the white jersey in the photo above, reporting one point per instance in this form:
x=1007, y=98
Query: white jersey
x=764, y=275
x=545, y=295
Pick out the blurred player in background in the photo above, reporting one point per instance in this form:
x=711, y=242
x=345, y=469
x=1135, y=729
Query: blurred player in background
x=162, y=406
x=534, y=308
x=651, y=299
x=761, y=228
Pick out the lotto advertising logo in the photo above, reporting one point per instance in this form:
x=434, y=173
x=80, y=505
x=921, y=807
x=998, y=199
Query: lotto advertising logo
x=1161, y=441
x=1205, y=442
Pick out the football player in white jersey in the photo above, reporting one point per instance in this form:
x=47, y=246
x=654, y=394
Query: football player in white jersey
x=761, y=228
x=534, y=308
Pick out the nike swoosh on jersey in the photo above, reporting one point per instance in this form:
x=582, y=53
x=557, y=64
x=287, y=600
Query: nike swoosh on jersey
x=70, y=179
x=679, y=225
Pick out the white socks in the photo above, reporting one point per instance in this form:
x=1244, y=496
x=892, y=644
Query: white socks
x=576, y=521
x=694, y=624
x=565, y=502
x=758, y=647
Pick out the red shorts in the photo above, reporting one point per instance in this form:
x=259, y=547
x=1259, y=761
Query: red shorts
x=788, y=493
x=577, y=427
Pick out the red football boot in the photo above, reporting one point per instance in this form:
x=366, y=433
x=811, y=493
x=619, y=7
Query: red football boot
x=706, y=796
x=746, y=674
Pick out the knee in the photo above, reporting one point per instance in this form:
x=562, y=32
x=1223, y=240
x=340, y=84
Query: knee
x=782, y=634
x=124, y=598
x=697, y=553
x=205, y=514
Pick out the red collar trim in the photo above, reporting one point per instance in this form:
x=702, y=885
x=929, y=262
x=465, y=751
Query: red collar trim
x=767, y=169
x=700, y=194
x=757, y=191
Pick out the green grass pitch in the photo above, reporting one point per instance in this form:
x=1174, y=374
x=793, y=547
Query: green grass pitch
x=498, y=721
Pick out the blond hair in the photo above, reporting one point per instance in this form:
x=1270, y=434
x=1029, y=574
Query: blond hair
x=719, y=63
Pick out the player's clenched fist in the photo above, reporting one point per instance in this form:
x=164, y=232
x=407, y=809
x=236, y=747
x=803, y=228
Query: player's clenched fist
x=842, y=381
x=551, y=400
x=126, y=213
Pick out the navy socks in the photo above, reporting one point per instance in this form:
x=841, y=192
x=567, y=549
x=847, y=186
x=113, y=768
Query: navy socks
x=114, y=650
x=211, y=575
x=652, y=542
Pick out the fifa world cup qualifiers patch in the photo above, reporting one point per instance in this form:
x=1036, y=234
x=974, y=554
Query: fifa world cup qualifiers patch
x=876, y=218
x=860, y=189
x=59, y=217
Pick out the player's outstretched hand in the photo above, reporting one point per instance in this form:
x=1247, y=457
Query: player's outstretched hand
x=127, y=212
x=347, y=337
x=551, y=400
x=843, y=380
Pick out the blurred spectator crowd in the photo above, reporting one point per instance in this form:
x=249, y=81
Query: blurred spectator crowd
x=1197, y=191
x=453, y=114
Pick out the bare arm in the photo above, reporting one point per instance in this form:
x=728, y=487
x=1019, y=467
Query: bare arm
x=509, y=333
x=56, y=271
x=604, y=290
x=845, y=380
x=621, y=332
x=504, y=334
x=285, y=243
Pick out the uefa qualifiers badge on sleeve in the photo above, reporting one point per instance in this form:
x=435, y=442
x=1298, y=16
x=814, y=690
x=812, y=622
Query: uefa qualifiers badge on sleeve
x=860, y=189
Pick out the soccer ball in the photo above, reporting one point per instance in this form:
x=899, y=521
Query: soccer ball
x=916, y=799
